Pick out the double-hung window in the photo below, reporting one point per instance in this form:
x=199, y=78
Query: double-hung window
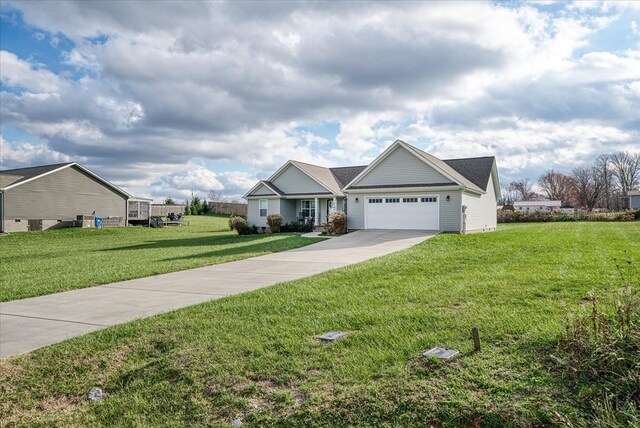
x=263, y=207
x=309, y=208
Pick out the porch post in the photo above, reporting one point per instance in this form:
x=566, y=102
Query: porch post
x=335, y=204
x=316, y=220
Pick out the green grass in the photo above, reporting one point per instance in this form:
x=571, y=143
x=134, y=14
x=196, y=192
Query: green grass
x=38, y=263
x=253, y=356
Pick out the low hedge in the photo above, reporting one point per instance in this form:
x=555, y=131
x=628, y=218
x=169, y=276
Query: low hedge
x=533, y=217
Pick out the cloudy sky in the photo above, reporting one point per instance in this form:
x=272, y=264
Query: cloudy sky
x=165, y=97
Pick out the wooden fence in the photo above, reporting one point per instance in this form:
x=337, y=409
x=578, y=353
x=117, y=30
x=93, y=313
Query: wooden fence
x=228, y=208
x=163, y=210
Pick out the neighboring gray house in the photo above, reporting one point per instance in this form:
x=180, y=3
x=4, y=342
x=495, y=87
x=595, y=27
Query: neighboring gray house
x=634, y=199
x=44, y=197
x=403, y=188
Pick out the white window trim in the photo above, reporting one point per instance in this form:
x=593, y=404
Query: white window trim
x=312, y=207
x=266, y=202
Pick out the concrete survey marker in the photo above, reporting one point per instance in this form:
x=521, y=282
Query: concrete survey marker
x=95, y=394
x=332, y=336
x=442, y=353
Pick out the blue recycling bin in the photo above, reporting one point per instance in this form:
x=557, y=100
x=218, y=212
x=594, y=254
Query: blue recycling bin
x=98, y=222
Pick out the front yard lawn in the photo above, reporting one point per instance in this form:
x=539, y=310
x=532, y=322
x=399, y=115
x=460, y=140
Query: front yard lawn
x=38, y=263
x=253, y=356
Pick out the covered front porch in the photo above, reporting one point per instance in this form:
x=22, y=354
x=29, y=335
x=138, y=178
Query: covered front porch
x=314, y=209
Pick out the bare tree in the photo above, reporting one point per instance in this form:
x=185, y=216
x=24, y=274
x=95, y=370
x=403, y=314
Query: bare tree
x=215, y=196
x=523, y=190
x=558, y=187
x=626, y=170
x=589, y=185
x=507, y=196
x=609, y=192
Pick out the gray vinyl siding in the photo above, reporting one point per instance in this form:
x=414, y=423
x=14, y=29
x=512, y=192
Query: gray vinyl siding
x=262, y=190
x=402, y=167
x=273, y=207
x=288, y=210
x=253, y=211
x=634, y=201
x=292, y=180
x=481, y=210
x=62, y=195
x=450, y=211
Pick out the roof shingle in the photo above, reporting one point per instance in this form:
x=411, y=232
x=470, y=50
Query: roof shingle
x=476, y=170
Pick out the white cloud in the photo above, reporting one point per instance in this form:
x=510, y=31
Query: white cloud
x=18, y=73
x=234, y=82
x=27, y=154
x=196, y=178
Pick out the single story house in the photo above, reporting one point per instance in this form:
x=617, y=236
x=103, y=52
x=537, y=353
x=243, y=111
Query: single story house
x=634, y=199
x=545, y=206
x=403, y=188
x=50, y=196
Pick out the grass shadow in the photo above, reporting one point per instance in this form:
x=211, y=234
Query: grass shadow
x=199, y=242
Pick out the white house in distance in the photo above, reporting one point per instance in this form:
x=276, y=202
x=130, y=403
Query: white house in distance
x=537, y=206
x=403, y=188
x=634, y=199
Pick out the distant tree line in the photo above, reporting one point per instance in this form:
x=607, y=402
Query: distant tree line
x=601, y=184
x=197, y=206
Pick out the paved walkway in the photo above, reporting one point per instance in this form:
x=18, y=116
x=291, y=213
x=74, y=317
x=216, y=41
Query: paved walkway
x=29, y=324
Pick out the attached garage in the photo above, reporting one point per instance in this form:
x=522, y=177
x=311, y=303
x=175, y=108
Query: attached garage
x=406, y=188
x=416, y=212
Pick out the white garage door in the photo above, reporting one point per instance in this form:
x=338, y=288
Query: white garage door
x=402, y=212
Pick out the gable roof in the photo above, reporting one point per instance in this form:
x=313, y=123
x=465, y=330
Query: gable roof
x=269, y=185
x=445, y=168
x=437, y=164
x=477, y=170
x=10, y=178
x=320, y=174
x=470, y=173
x=345, y=174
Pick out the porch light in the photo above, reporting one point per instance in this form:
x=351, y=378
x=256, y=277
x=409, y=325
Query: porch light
x=448, y=198
x=356, y=200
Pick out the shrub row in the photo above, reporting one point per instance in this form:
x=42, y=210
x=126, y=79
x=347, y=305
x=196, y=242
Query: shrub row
x=520, y=217
x=240, y=225
x=337, y=225
x=297, y=227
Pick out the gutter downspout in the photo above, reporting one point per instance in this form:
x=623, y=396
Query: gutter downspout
x=464, y=219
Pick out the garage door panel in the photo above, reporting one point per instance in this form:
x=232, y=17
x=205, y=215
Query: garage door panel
x=384, y=214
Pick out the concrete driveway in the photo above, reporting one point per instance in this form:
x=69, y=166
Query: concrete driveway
x=29, y=324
